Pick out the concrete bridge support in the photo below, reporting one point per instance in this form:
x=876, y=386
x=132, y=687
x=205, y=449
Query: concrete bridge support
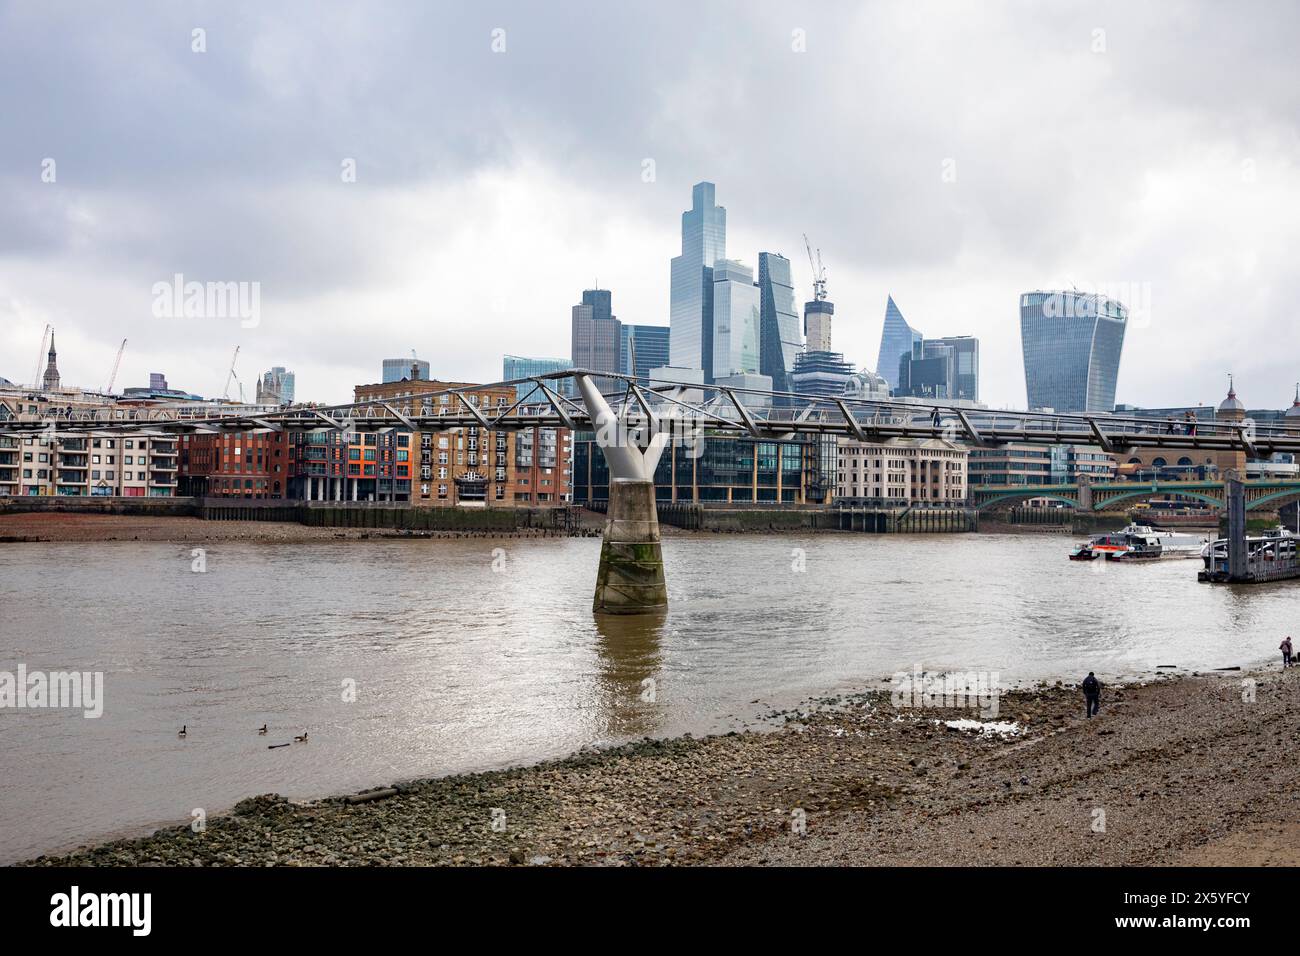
x=631, y=575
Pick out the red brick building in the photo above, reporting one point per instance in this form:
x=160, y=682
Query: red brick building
x=241, y=465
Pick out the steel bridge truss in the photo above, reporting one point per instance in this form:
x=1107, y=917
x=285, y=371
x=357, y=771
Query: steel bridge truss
x=643, y=411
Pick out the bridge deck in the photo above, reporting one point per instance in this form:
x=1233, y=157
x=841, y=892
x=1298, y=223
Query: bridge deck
x=664, y=407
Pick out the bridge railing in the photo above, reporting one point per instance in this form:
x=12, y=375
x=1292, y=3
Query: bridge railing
x=722, y=408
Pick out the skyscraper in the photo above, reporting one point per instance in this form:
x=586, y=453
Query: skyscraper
x=396, y=369
x=896, y=341
x=778, y=322
x=736, y=317
x=642, y=348
x=1072, y=343
x=276, y=387
x=596, y=335
x=941, y=368
x=817, y=324
x=522, y=366
x=601, y=302
x=704, y=241
x=964, y=376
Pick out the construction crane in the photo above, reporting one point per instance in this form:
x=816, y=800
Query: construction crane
x=112, y=377
x=40, y=356
x=225, y=395
x=818, y=271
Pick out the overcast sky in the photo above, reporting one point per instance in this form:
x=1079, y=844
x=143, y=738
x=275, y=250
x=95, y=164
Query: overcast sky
x=952, y=155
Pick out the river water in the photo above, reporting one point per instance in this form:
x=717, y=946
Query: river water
x=462, y=659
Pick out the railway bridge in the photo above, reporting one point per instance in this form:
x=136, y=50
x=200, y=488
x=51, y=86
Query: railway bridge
x=1264, y=494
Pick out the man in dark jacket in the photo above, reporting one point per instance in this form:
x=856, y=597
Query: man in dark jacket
x=1092, y=693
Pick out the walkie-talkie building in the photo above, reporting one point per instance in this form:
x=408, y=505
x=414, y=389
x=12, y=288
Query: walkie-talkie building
x=1072, y=343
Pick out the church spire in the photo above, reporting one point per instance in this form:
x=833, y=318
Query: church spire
x=51, y=380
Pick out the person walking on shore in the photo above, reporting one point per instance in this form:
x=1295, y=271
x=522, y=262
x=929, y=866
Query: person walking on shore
x=1285, y=648
x=1092, y=693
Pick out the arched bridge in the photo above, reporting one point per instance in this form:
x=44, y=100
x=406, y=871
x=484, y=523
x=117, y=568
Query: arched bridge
x=1263, y=494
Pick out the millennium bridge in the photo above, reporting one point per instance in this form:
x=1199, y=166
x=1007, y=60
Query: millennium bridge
x=633, y=423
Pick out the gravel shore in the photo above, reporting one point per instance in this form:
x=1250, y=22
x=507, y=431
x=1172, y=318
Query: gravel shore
x=1173, y=771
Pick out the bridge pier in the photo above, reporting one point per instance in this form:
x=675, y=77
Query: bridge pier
x=631, y=575
x=630, y=579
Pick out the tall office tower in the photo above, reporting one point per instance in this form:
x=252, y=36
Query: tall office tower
x=964, y=372
x=642, y=348
x=596, y=335
x=821, y=373
x=396, y=369
x=157, y=382
x=522, y=366
x=929, y=372
x=601, y=302
x=1072, y=343
x=736, y=317
x=896, y=341
x=275, y=387
x=817, y=324
x=778, y=322
x=704, y=241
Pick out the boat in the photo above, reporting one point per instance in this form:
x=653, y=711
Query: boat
x=1140, y=542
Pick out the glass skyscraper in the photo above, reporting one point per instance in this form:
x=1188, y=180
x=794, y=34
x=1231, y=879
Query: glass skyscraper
x=1072, y=343
x=964, y=375
x=522, y=366
x=778, y=321
x=396, y=369
x=736, y=317
x=704, y=241
x=941, y=368
x=896, y=341
x=276, y=387
x=647, y=345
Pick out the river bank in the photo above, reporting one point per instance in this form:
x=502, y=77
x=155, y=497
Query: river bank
x=1173, y=771
x=80, y=527
x=75, y=527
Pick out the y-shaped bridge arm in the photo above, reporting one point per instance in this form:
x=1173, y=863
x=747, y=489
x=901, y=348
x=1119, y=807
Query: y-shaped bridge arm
x=626, y=460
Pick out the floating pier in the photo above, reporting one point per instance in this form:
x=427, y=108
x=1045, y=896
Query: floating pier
x=1250, y=560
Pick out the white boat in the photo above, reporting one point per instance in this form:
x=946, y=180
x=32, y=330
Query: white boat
x=1140, y=542
x=1279, y=542
x=1172, y=543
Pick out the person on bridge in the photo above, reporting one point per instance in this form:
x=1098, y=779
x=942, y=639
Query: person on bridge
x=1285, y=648
x=1092, y=693
x=937, y=419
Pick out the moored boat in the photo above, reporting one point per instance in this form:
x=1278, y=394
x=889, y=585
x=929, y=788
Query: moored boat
x=1138, y=542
